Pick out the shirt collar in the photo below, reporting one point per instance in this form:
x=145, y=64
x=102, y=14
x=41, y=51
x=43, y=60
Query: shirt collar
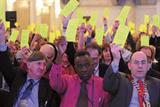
x=88, y=82
x=28, y=78
x=96, y=68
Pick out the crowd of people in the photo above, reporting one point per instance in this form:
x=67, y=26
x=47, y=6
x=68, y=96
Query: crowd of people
x=81, y=73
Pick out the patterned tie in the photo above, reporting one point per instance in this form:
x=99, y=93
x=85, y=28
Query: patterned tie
x=83, y=96
x=140, y=92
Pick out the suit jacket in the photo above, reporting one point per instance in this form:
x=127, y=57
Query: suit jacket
x=16, y=77
x=120, y=89
x=102, y=69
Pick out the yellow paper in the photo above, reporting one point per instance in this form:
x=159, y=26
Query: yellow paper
x=144, y=40
x=52, y=37
x=71, y=6
x=106, y=12
x=2, y=9
x=14, y=35
x=31, y=27
x=146, y=19
x=16, y=24
x=142, y=28
x=121, y=35
x=79, y=15
x=99, y=35
x=131, y=26
x=123, y=14
x=58, y=33
x=71, y=30
x=93, y=19
x=156, y=20
x=24, y=38
x=42, y=29
x=6, y=24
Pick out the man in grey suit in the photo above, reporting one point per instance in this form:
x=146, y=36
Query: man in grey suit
x=133, y=90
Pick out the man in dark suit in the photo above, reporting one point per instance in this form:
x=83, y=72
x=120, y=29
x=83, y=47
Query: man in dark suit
x=95, y=53
x=134, y=90
x=19, y=80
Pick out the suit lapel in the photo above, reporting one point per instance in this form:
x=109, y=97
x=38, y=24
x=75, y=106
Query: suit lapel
x=18, y=85
x=42, y=94
x=130, y=91
x=151, y=92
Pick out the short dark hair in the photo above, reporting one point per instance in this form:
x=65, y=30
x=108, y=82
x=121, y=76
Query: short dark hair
x=81, y=53
x=94, y=46
x=36, y=55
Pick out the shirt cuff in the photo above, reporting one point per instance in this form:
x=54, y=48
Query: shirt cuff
x=3, y=47
x=115, y=67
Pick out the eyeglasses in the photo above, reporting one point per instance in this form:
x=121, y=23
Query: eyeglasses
x=143, y=62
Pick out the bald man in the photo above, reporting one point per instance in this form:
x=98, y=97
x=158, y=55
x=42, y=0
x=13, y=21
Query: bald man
x=48, y=50
x=135, y=89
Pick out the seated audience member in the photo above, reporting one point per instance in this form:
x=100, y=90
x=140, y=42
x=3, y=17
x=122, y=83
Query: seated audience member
x=79, y=90
x=150, y=53
x=66, y=67
x=107, y=58
x=27, y=88
x=95, y=53
x=134, y=90
x=50, y=51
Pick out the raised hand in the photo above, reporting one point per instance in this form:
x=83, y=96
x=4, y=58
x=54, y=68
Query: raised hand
x=115, y=49
x=65, y=20
x=2, y=33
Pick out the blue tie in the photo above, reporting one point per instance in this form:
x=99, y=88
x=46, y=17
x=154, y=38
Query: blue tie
x=28, y=90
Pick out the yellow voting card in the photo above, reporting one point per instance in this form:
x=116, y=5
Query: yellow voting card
x=31, y=27
x=70, y=7
x=71, y=30
x=99, y=35
x=14, y=35
x=142, y=28
x=144, y=40
x=121, y=35
x=106, y=12
x=2, y=9
x=93, y=19
x=124, y=14
x=156, y=20
x=24, y=38
x=7, y=24
x=146, y=19
x=52, y=37
x=79, y=14
x=42, y=29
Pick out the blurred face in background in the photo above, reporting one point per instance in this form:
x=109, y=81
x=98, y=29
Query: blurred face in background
x=94, y=54
x=154, y=29
x=107, y=55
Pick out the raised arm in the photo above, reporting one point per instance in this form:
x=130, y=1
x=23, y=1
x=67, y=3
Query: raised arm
x=58, y=81
x=112, y=77
x=6, y=67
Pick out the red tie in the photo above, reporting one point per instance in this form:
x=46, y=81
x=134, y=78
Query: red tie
x=140, y=92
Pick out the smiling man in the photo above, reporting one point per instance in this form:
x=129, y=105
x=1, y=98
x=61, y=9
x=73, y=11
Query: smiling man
x=133, y=90
x=27, y=88
x=81, y=89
